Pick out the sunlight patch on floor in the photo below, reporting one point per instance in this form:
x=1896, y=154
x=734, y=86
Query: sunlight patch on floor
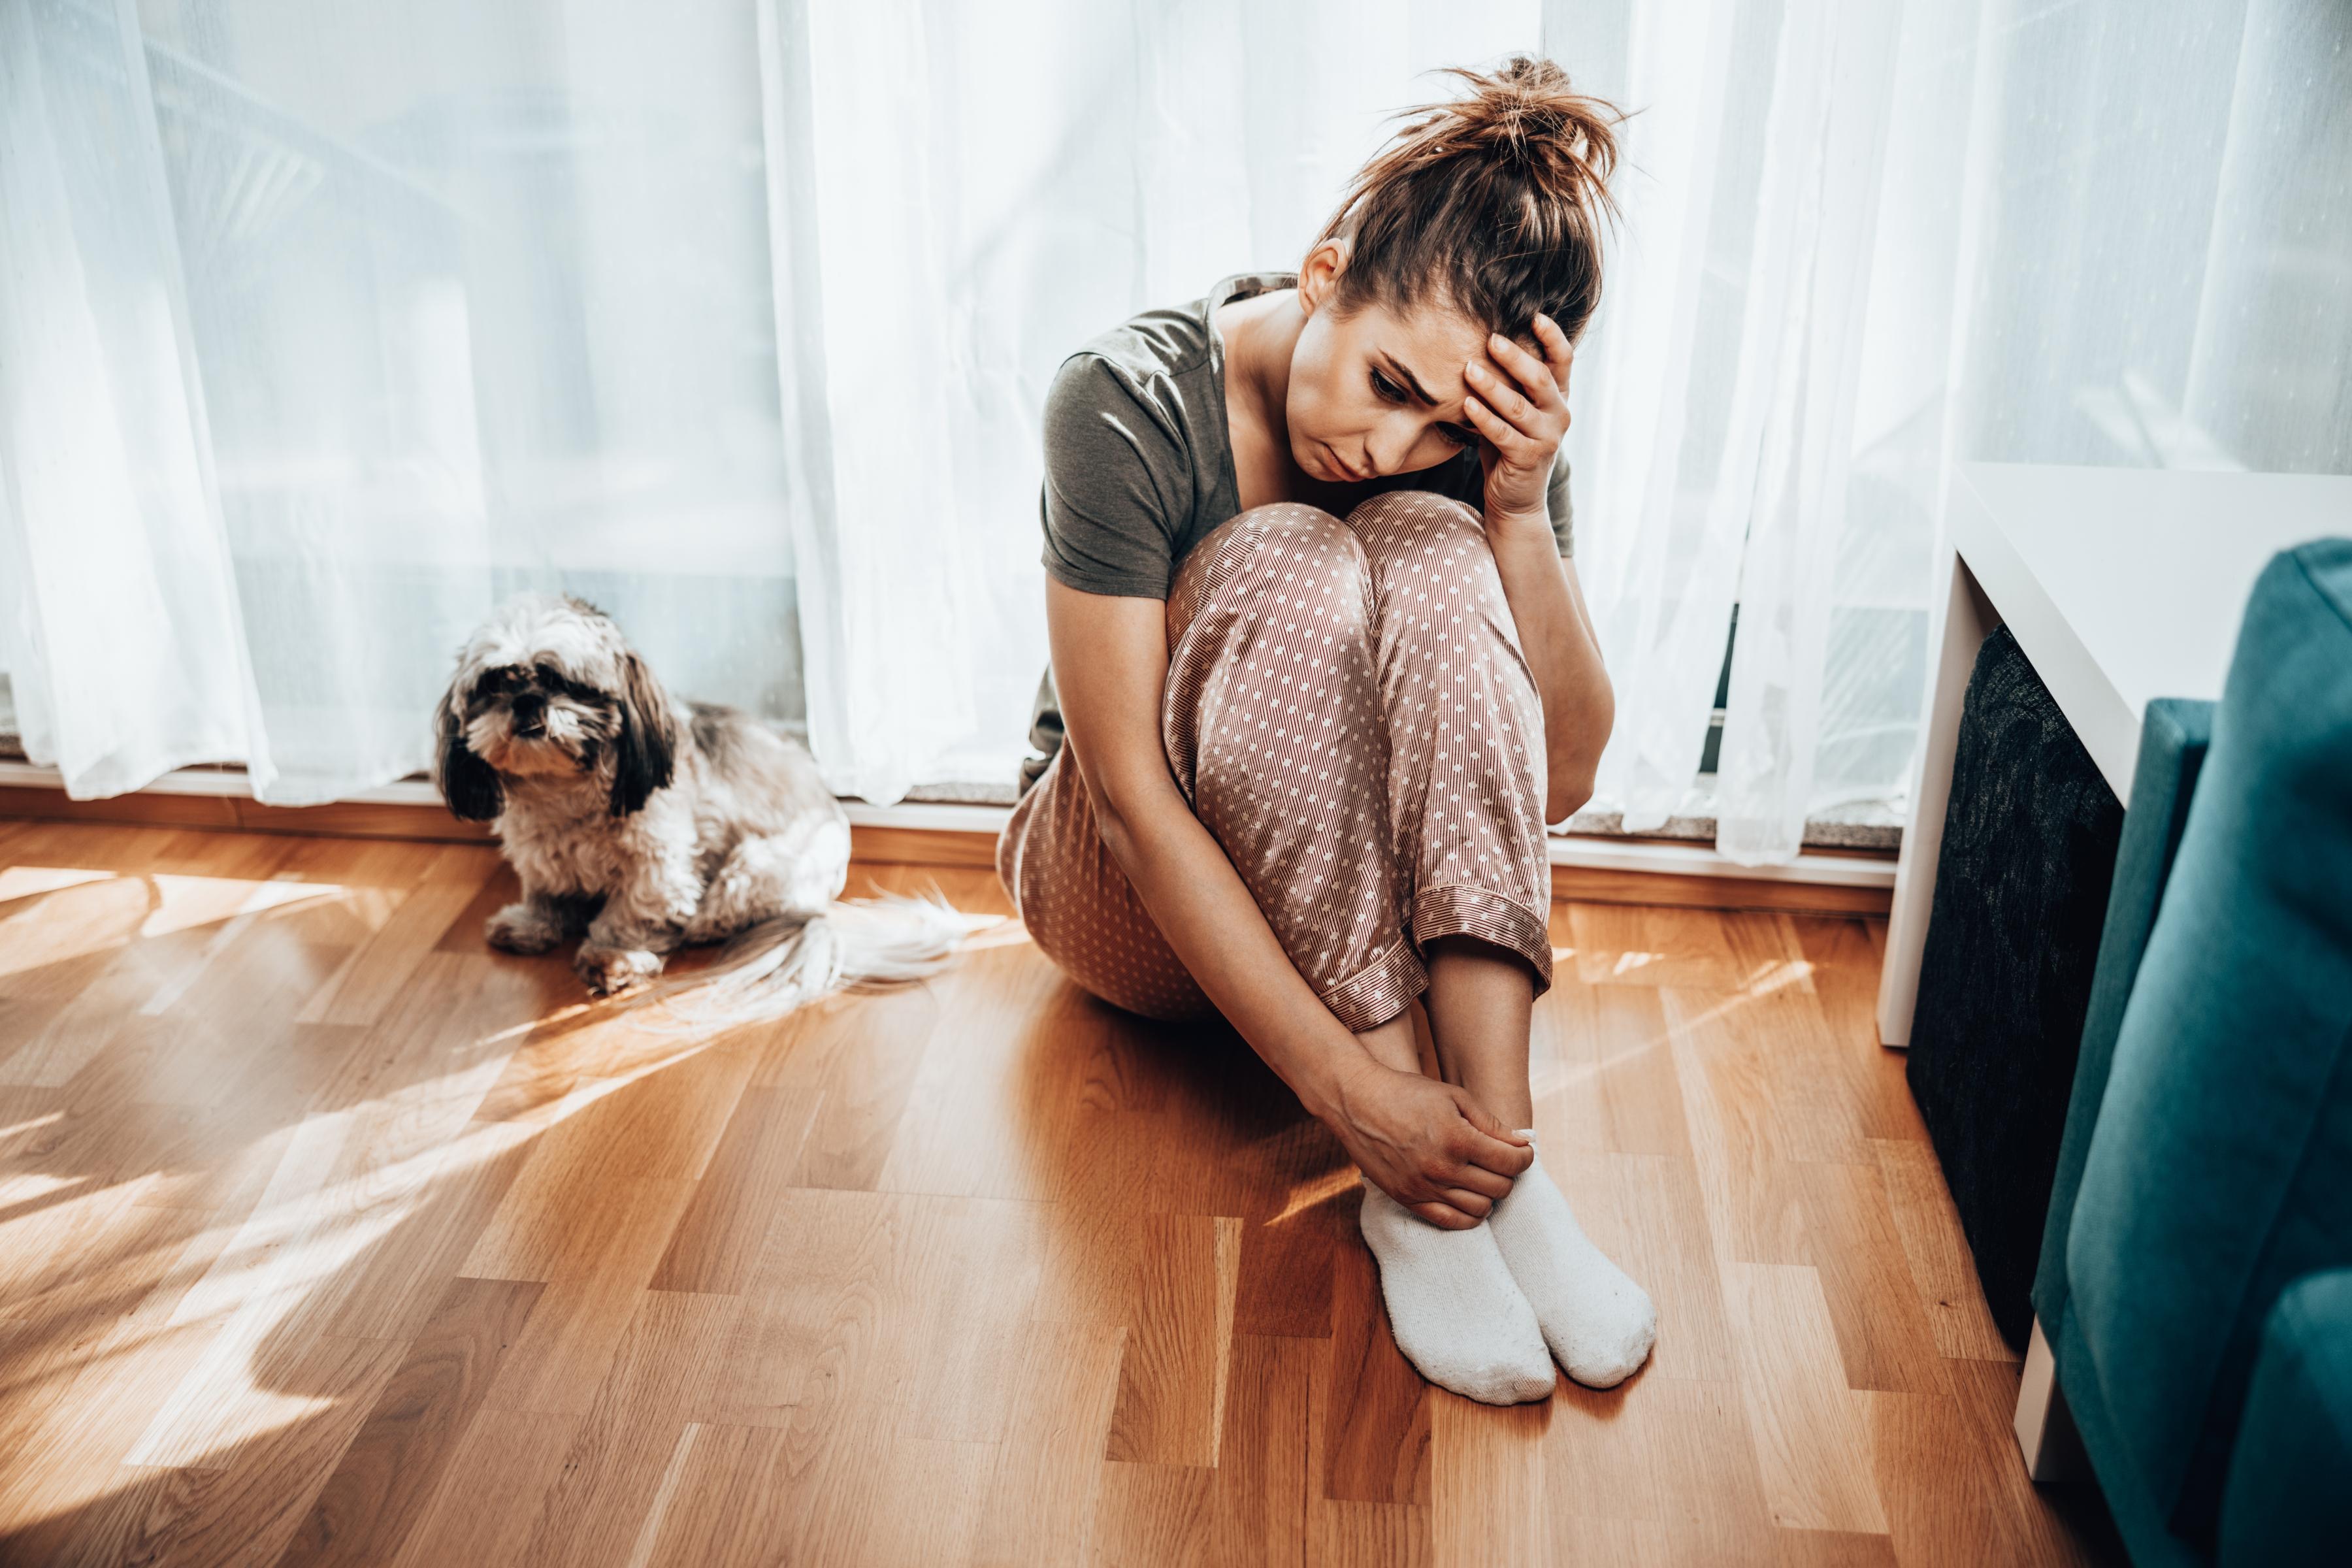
x=1322, y=1189
x=24, y=881
x=184, y=902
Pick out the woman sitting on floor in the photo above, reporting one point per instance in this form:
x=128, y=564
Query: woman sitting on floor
x=1321, y=676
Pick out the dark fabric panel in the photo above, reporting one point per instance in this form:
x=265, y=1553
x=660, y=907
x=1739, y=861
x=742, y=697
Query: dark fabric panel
x=2028, y=850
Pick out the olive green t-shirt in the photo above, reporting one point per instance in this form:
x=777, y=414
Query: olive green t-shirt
x=1140, y=464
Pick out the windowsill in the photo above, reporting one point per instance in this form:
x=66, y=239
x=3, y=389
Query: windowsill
x=1593, y=843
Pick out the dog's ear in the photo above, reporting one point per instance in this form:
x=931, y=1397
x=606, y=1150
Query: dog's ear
x=469, y=784
x=645, y=751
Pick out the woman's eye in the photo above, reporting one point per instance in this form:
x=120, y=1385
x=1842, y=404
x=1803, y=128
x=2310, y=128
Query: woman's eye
x=1389, y=391
x=1460, y=435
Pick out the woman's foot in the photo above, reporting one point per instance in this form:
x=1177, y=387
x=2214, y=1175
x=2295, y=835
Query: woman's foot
x=1598, y=1322
x=1453, y=1307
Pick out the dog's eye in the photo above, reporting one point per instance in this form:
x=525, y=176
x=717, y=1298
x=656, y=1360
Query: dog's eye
x=551, y=677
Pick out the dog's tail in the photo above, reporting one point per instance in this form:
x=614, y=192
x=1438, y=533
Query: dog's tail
x=784, y=964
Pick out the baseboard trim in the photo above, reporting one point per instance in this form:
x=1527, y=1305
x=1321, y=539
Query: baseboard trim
x=1584, y=868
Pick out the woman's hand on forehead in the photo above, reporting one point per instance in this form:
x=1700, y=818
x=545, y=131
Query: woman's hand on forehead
x=1518, y=403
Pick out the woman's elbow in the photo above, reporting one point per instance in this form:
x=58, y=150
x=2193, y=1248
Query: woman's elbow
x=1116, y=815
x=1567, y=796
x=1575, y=769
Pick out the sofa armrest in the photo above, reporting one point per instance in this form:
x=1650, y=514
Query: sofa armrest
x=2289, y=1499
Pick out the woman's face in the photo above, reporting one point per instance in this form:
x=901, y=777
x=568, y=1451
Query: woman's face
x=1375, y=392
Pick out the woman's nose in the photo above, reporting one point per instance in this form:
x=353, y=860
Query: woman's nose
x=1389, y=443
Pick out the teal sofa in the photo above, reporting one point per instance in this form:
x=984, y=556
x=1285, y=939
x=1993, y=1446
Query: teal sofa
x=2195, y=1288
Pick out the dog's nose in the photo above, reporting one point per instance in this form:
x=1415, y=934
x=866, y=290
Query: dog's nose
x=531, y=713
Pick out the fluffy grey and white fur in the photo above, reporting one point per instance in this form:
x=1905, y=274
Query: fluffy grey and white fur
x=640, y=824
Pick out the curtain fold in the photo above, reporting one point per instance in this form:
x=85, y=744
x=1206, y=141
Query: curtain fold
x=1865, y=243
x=982, y=191
x=324, y=330
x=120, y=630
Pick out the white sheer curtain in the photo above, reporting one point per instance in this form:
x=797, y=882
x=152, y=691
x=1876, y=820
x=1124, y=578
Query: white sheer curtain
x=325, y=327
x=971, y=193
x=1867, y=239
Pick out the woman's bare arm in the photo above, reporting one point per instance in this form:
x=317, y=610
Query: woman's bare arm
x=1556, y=634
x=1427, y=1144
x=1519, y=404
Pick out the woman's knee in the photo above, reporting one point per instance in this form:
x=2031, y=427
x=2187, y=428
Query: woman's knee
x=1281, y=561
x=1425, y=508
x=1427, y=535
x=1291, y=538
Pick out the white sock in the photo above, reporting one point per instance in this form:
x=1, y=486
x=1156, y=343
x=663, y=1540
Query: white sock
x=1598, y=1322
x=1453, y=1307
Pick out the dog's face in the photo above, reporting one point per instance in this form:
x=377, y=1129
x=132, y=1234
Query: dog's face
x=548, y=687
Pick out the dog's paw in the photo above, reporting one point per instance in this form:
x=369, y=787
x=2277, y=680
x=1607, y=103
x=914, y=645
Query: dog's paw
x=519, y=928
x=609, y=971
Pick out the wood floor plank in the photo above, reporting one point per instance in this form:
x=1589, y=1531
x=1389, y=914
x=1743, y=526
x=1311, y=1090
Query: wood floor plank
x=971, y=1271
x=1645, y=944
x=2062, y=1524
x=602, y=1500
x=1299, y=1206
x=1811, y=1430
x=1850, y=1234
x=719, y=1237
x=1487, y=1489
x=1377, y=1534
x=1674, y=1457
x=1376, y=1437
x=861, y=1055
x=975, y=1117
x=1729, y=1075
x=379, y=1488
x=1644, y=1211
x=742, y=1496
x=487, y=1500
x=1173, y=1377
x=385, y=964
x=247, y=1509
x=917, y=1507
x=1040, y=1498
x=812, y=1343
x=1937, y=1252
x=1157, y=1513
x=1268, y=1477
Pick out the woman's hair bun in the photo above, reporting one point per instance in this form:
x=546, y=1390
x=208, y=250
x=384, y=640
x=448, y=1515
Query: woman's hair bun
x=1494, y=200
x=1528, y=111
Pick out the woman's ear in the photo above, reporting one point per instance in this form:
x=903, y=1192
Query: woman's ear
x=1318, y=274
x=469, y=784
x=645, y=751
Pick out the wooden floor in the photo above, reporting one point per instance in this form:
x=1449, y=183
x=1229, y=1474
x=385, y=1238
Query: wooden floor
x=328, y=1236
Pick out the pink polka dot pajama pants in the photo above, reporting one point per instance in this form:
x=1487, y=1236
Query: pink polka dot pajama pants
x=1350, y=714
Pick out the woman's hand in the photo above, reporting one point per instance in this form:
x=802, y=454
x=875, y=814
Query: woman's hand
x=1519, y=404
x=1428, y=1144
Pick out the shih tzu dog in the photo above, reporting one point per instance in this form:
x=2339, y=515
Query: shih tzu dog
x=640, y=824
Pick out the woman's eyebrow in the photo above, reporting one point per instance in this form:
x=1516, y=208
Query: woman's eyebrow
x=1420, y=394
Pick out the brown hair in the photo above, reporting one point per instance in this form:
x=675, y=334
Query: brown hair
x=1491, y=204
